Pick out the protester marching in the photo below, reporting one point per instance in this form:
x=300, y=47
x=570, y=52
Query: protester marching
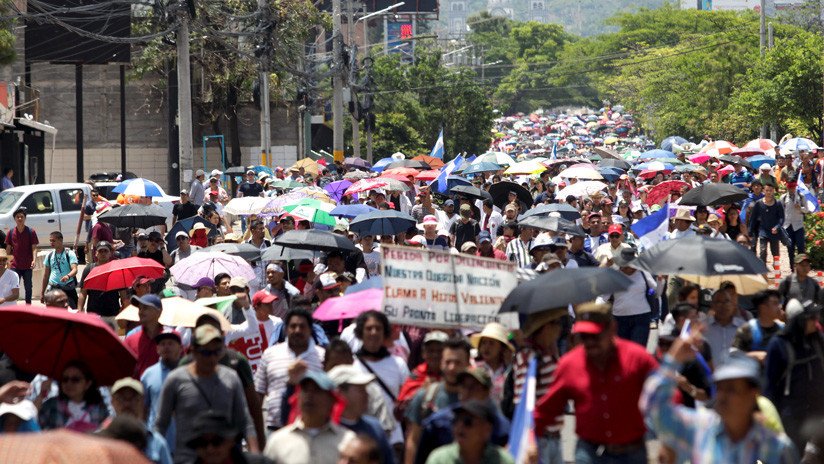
x=427, y=310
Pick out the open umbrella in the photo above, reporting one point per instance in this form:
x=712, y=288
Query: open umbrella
x=337, y=189
x=400, y=173
x=315, y=193
x=614, y=163
x=566, y=211
x=551, y=223
x=184, y=225
x=42, y=340
x=135, y=215
x=699, y=158
x=525, y=168
x=428, y=176
x=209, y=264
x=245, y=206
x=563, y=287
x=701, y=256
x=358, y=163
x=365, y=185
x=217, y=302
x=350, y=211
x=611, y=174
x=287, y=184
x=799, y=143
x=246, y=251
x=663, y=190
x=312, y=214
x=120, y=273
x=63, y=446
x=657, y=153
x=434, y=163
x=470, y=191
x=382, y=222
x=766, y=145
x=500, y=193
x=735, y=160
x=668, y=142
x=407, y=164
x=718, y=148
x=350, y=305
x=484, y=166
x=280, y=253
x=581, y=172
x=581, y=189
x=314, y=239
x=381, y=164
x=713, y=194
x=746, y=152
x=744, y=284
x=309, y=166
x=180, y=312
x=356, y=175
x=757, y=160
x=498, y=157
x=139, y=187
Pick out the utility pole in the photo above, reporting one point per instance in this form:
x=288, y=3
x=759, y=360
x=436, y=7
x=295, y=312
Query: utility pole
x=368, y=117
x=264, y=57
x=762, y=34
x=337, y=84
x=184, y=92
x=353, y=60
x=770, y=45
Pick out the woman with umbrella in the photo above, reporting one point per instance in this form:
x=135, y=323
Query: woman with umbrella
x=78, y=405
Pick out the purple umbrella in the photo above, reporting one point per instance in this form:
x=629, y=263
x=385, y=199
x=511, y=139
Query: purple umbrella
x=353, y=162
x=336, y=189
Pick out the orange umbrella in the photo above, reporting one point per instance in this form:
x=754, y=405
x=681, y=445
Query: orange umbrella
x=434, y=163
x=400, y=173
x=63, y=446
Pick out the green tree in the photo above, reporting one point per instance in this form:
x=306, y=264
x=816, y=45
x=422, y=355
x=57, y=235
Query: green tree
x=7, y=54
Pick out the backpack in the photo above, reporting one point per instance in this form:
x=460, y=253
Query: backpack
x=758, y=334
x=792, y=362
x=428, y=406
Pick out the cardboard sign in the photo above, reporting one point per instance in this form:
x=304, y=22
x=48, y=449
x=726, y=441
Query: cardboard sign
x=437, y=289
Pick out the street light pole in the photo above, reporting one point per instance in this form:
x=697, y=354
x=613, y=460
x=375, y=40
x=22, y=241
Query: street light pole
x=184, y=93
x=337, y=84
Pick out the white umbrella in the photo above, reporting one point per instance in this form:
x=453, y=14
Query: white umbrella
x=180, y=312
x=580, y=172
x=497, y=157
x=245, y=206
x=209, y=264
x=581, y=189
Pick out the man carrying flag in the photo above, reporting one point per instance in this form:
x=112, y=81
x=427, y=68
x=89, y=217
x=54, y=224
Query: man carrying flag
x=797, y=202
x=440, y=184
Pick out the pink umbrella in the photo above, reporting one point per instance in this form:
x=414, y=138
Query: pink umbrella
x=428, y=175
x=350, y=306
x=364, y=185
x=763, y=144
x=699, y=158
x=746, y=152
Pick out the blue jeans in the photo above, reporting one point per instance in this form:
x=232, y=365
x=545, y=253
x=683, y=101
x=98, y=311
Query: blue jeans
x=587, y=453
x=634, y=328
x=26, y=275
x=550, y=451
x=799, y=243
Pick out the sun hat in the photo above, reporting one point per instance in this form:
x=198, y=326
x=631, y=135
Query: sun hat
x=495, y=331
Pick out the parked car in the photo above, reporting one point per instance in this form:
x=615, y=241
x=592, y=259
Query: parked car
x=49, y=208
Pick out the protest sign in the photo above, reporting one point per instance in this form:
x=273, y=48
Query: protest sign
x=437, y=289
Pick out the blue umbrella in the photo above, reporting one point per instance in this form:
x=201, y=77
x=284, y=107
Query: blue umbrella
x=483, y=166
x=380, y=165
x=611, y=174
x=454, y=181
x=139, y=187
x=382, y=222
x=351, y=211
x=657, y=153
x=185, y=225
x=757, y=160
x=668, y=142
x=642, y=166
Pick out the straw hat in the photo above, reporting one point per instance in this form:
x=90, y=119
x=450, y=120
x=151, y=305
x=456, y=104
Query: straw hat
x=537, y=320
x=684, y=213
x=495, y=331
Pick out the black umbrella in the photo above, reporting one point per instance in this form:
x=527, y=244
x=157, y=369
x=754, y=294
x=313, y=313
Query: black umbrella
x=314, y=239
x=735, y=159
x=382, y=222
x=279, y=253
x=566, y=211
x=244, y=250
x=701, y=256
x=414, y=164
x=614, y=163
x=135, y=215
x=553, y=223
x=500, y=193
x=713, y=194
x=562, y=287
x=470, y=191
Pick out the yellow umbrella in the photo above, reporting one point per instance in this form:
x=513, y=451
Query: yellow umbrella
x=309, y=166
x=526, y=167
x=315, y=193
x=746, y=284
x=610, y=140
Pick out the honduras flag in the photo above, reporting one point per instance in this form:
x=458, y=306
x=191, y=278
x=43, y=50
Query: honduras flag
x=554, y=154
x=521, y=433
x=653, y=228
x=440, y=181
x=812, y=202
x=437, y=150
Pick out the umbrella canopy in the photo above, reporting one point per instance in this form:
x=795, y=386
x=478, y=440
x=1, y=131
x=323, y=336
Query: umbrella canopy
x=280, y=253
x=551, y=223
x=718, y=148
x=139, y=187
x=428, y=176
x=611, y=174
x=350, y=305
x=63, y=446
x=663, y=190
x=120, y=273
x=799, y=143
x=314, y=192
x=312, y=214
x=735, y=160
x=358, y=162
x=184, y=225
x=744, y=284
x=699, y=255
x=434, y=163
x=309, y=166
x=350, y=211
x=381, y=164
x=287, y=184
x=135, y=215
x=699, y=158
x=668, y=142
x=483, y=166
x=314, y=239
x=581, y=189
x=525, y=168
x=407, y=164
x=382, y=222
x=180, y=312
x=216, y=302
x=746, y=152
x=657, y=153
x=500, y=193
x=566, y=211
x=401, y=173
x=454, y=181
x=189, y=270
x=614, y=163
x=355, y=175
x=337, y=189
x=42, y=340
x=244, y=206
x=470, y=191
x=757, y=160
x=365, y=185
x=563, y=287
x=762, y=144
x=246, y=251
x=713, y=194
x=581, y=172
x=498, y=157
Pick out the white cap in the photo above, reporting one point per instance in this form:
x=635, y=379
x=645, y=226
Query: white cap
x=215, y=172
x=24, y=409
x=348, y=374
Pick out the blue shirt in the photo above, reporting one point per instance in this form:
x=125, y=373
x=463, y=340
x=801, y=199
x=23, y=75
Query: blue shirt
x=591, y=243
x=740, y=178
x=157, y=448
x=152, y=380
x=371, y=427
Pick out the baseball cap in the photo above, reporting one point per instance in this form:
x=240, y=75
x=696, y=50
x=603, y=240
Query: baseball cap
x=343, y=374
x=105, y=244
x=168, y=333
x=127, y=382
x=615, y=229
x=484, y=236
x=142, y=236
x=481, y=409
x=510, y=207
x=148, y=300
x=591, y=318
x=239, y=282
x=448, y=203
x=25, y=409
x=184, y=192
x=340, y=228
x=250, y=171
x=416, y=240
x=320, y=378
x=263, y=297
x=199, y=173
x=205, y=282
x=738, y=366
x=801, y=258
x=179, y=234
x=541, y=241
x=430, y=219
x=215, y=172
x=592, y=215
x=764, y=167
x=435, y=336
x=478, y=373
x=468, y=246
x=207, y=333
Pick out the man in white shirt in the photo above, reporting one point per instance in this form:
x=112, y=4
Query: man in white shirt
x=9, y=282
x=605, y=253
x=490, y=219
x=683, y=224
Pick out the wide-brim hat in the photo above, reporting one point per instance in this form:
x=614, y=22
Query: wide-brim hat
x=495, y=331
x=684, y=213
x=537, y=320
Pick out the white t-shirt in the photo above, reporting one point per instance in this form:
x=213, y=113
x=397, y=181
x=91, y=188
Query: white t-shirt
x=8, y=282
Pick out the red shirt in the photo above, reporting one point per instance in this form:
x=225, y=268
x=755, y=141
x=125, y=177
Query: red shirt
x=606, y=402
x=146, y=350
x=21, y=244
x=417, y=378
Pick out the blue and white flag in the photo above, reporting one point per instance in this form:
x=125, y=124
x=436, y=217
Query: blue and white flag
x=521, y=432
x=812, y=202
x=653, y=228
x=440, y=181
x=437, y=150
x=554, y=154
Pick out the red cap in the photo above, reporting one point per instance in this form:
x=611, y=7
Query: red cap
x=587, y=327
x=615, y=229
x=263, y=297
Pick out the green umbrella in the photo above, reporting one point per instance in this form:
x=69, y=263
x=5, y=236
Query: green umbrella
x=312, y=214
x=288, y=184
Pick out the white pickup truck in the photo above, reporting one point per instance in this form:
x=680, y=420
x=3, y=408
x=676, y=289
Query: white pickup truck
x=49, y=207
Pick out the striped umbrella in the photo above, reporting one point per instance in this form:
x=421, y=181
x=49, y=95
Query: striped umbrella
x=139, y=187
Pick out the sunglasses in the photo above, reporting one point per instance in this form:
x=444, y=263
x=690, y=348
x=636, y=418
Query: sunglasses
x=72, y=379
x=208, y=353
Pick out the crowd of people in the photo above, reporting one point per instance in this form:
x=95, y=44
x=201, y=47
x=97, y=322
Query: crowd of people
x=731, y=377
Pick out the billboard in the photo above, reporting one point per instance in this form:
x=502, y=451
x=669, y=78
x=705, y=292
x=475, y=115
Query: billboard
x=63, y=31
x=6, y=103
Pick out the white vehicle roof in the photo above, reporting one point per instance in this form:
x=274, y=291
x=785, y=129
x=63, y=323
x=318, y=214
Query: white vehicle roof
x=57, y=186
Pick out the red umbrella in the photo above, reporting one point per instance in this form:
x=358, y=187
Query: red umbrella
x=121, y=273
x=663, y=190
x=41, y=340
x=428, y=175
x=746, y=152
x=400, y=173
x=366, y=184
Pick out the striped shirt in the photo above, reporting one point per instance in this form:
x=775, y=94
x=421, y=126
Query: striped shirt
x=271, y=375
x=546, y=369
x=518, y=251
x=698, y=435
